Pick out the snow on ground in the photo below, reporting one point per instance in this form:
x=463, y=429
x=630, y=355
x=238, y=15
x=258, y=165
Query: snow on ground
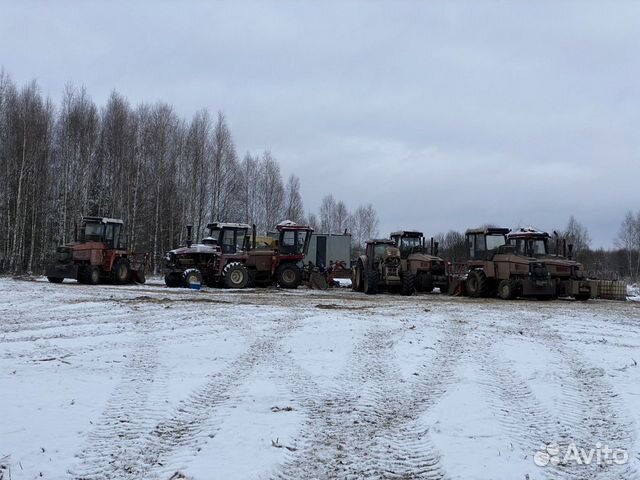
x=138, y=382
x=633, y=292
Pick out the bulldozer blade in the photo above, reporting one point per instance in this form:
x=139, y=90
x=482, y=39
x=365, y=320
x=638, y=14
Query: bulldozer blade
x=317, y=281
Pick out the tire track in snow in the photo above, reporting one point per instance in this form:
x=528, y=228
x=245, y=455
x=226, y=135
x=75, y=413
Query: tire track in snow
x=580, y=420
x=133, y=407
x=590, y=409
x=184, y=427
x=368, y=427
x=527, y=422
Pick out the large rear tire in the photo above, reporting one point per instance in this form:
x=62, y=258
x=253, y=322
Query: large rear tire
x=55, y=279
x=121, y=271
x=371, y=283
x=289, y=275
x=477, y=284
x=408, y=283
x=235, y=275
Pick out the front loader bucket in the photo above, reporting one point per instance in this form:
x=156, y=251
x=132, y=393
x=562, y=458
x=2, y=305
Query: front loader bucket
x=317, y=281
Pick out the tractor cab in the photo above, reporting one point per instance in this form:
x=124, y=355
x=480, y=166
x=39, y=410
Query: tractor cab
x=529, y=242
x=104, y=230
x=293, y=239
x=408, y=242
x=230, y=237
x=484, y=243
x=382, y=250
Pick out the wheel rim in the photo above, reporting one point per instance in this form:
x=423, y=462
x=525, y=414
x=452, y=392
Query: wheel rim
x=288, y=276
x=236, y=277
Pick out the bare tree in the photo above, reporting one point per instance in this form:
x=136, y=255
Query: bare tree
x=271, y=192
x=294, y=208
x=365, y=225
x=224, y=176
x=327, y=214
x=628, y=239
x=577, y=235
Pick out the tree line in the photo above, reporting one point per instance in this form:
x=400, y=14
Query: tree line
x=144, y=164
x=158, y=171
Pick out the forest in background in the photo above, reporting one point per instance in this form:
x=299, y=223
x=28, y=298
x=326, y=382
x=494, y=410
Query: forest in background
x=145, y=165
x=158, y=172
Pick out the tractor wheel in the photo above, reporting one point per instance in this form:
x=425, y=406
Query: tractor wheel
x=235, y=275
x=141, y=275
x=427, y=282
x=55, y=279
x=191, y=276
x=371, y=283
x=507, y=289
x=444, y=289
x=581, y=297
x=477, y=284
x=408, y=283
x=357, y=283
x=91, y=275
x=173, y=280
x=288, y=275
x=121, y=272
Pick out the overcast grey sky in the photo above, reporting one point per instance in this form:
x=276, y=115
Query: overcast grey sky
x=444, y=115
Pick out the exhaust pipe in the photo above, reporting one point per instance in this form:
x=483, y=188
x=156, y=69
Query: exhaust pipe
x=435, y=249
x=189, y=241
x=253, y=236
x=431, y=247
x=570, y=251
x=564, y=247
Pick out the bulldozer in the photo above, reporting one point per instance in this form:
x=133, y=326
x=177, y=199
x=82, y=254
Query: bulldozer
x=381, y=268
x=422, y=261
x=99, y=253
x=495, y=268
x=231, y=257
x=568, y=274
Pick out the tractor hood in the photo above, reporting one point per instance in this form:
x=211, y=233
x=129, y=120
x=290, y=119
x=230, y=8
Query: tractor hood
x=390, y=252
x=195, y=248
x=559, y=266
x=424, y=257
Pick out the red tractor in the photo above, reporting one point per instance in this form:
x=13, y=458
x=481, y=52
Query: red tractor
x=230, y=257
x=99, y=254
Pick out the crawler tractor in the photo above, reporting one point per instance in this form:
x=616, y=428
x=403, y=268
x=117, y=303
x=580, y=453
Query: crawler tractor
x=232, y=258
x=429, y=269
x=568, y=274
x=100, y=253
x=494, y=267
x=381, y=268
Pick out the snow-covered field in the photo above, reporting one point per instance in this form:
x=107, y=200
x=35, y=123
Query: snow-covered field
x=138, y=382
